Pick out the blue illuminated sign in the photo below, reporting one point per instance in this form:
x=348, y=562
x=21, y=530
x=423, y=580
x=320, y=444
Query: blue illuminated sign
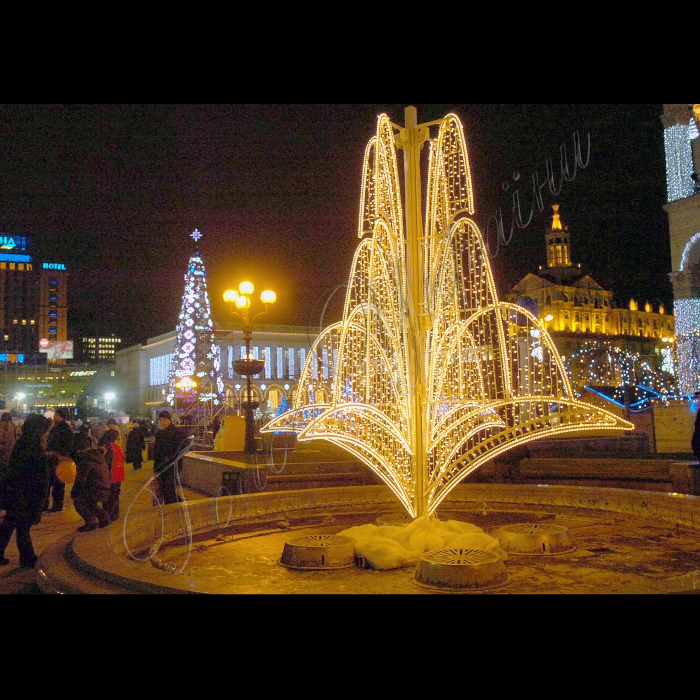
x=53, y=266
x=14, y=257
x=11, y=357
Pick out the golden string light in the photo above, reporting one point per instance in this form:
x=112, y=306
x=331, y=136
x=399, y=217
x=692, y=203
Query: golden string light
x=429, y=375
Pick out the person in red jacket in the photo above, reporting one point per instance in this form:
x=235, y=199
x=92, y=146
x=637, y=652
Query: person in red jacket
x=115, y=462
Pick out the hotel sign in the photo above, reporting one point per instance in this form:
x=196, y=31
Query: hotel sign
x=53, y=266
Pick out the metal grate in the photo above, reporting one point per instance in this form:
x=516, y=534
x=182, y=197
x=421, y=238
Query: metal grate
x=319, y=552
x=460, y=570
x=535, y=539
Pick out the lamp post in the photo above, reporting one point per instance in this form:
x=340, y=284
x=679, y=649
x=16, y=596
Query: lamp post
x=108, y=397
x=248, y=366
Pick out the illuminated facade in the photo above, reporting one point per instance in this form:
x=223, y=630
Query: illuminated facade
x=27, y=389
x=574, y=308
x=682, y=147
x=430, y=375
x=145, y=370
x=96, y=349
x=33, y=297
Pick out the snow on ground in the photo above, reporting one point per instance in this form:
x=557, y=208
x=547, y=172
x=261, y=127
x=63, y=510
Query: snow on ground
x=395, y=546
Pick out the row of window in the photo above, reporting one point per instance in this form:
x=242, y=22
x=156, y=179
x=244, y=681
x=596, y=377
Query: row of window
x=280, y=363
x=15, y=266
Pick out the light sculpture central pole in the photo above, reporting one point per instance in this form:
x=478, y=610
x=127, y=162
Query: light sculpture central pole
x=411, y=139
x=248, y=366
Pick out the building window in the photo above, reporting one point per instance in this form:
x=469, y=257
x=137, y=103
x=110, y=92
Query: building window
x=280, y=363
x=267, y=352
x=159, y=370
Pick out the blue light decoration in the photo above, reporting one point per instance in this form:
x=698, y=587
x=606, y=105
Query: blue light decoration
x=641, y=398
x=196, y=354
x=608, y=371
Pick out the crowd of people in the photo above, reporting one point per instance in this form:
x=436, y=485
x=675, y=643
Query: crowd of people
x=32, y=483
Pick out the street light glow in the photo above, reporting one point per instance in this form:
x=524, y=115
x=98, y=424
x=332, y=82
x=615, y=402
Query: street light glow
x=249, y=366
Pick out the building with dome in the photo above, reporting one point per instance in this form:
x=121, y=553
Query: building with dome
x=576, y=310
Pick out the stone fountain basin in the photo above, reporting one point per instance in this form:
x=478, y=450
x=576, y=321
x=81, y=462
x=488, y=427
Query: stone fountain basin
x=621, y=538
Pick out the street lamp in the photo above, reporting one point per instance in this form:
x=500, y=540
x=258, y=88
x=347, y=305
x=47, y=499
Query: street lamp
x=249, y=366
x=108, y=397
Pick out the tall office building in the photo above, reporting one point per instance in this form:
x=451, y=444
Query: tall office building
x=33, y=298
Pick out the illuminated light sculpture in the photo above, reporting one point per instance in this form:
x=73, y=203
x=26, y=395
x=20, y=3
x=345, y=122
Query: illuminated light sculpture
x=428, y=376
x=196, y=353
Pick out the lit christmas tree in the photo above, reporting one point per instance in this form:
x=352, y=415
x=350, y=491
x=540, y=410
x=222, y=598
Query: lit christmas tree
x=196, y=372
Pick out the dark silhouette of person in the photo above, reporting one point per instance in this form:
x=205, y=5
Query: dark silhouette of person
x=25, y=486
x=93, y=482
x=170, y=440
x=695, y=441
x=59, y=443
x=135, y=445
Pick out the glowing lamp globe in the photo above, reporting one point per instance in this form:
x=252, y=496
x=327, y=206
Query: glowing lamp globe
x=231, y=295
x=268, y=297
x=243, y=302
x=66, y=471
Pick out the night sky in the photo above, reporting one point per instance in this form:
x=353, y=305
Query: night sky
x=114, y=191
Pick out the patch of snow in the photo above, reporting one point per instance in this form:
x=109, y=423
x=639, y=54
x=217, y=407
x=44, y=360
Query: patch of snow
x=394, y=546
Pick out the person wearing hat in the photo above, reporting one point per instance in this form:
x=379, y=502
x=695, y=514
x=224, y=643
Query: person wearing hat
x=59, y=444
x=135, y=445
x=169, y=441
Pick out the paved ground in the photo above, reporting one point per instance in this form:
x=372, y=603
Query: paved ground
x=53, y=526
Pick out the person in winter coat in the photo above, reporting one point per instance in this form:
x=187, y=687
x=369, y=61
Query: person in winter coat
x=25, y=486
x=8, y=437
x=135, y=445
x=115, y=461
x=93, y=482
x=59, y=443
x=170, y=442
x=695, y=442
